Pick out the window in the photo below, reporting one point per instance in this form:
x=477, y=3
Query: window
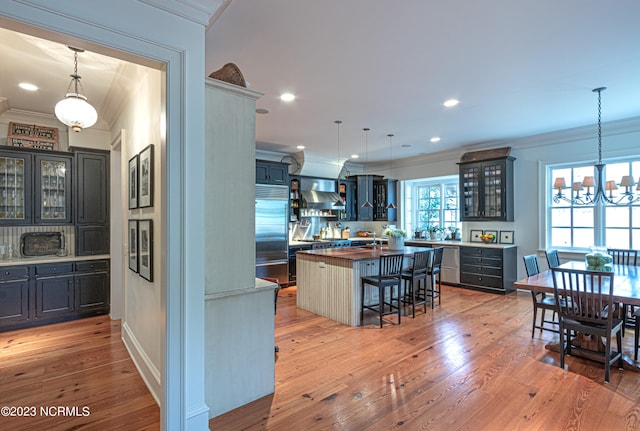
x=431, y=202
x=582, y=226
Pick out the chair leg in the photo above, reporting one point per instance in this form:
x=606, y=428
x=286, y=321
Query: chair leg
x=619, y=338
x=439, y=289
x=433, y=291
x=413, y=299
x=361, y=303
x=607, y=361
x=535, y=317
x=381, y=302
x=562, y=347
x=636, y=339
x=398, y=302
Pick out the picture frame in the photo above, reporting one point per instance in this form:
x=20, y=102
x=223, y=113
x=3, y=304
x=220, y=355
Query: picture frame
x=474, y=236
x=494, y=233
x=145, y=249
x=133, y=245
x=506, y=237
x=133, y=182
x=145, y=185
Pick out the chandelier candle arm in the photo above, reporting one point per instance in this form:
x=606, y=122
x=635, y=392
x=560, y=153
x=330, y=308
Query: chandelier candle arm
x=339, y=202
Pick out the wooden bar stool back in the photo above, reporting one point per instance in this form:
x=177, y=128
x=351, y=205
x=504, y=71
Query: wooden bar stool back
x=388, y=278
x=415, y=280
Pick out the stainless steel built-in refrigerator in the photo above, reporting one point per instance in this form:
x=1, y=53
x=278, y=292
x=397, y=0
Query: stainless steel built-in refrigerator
x=272, y=236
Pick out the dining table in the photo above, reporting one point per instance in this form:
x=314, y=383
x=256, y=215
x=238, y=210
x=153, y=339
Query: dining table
x=626, y=290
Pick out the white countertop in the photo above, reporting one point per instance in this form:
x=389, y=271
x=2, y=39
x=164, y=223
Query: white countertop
x=49, y=259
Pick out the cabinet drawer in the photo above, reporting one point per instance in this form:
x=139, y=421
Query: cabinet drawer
x=481, y=280
x=482, y=261
x=495, y=253
x=14, y=273
x=92, y=266
x=482, y=270
x=53, y=269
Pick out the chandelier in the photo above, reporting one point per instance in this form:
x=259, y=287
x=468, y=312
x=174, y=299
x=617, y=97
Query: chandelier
x=74, y=110
x=603, y=190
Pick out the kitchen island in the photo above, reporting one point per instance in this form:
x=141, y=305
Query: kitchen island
x=328, y=280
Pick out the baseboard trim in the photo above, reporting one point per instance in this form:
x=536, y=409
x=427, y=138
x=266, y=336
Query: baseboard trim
x=143, y=363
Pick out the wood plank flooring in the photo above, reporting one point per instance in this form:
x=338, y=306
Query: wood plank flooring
x=470, y=364
x=80, y=364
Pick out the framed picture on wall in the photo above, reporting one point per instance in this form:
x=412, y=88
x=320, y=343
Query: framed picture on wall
x=145, y=189
x=133, y=182
x=474, y=236
x=145, y=249
x=133, y=245
x=506, y=237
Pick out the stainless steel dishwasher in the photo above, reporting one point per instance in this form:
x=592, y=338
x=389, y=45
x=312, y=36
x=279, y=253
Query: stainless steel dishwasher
x=450, y=269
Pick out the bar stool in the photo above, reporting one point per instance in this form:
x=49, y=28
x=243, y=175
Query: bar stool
x=390, y=268
x=432, y=271
x=416, y=278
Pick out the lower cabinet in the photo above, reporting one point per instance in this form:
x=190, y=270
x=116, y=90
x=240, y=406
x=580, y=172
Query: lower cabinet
x=14, y=296
x=491, y=269
x=33, y=295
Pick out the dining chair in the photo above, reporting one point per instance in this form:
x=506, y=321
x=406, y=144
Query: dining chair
x=587, y=309
x=553, y=259
x=415, y=280
x=626, y=257
x=541, y=301
x=388, y=277
x=435, y=290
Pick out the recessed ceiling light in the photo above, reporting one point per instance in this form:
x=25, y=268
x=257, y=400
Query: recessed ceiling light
x=354, y=156
x=287, y=97
x=406, y=145
x=451, y=102
x=300, y=147
x=262, y=111
x=435, y=139
x=27, y=86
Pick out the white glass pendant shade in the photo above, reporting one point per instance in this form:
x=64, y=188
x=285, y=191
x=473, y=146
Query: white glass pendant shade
x=76, y=112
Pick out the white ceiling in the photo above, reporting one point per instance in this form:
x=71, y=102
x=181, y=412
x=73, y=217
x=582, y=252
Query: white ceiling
x=518, y=69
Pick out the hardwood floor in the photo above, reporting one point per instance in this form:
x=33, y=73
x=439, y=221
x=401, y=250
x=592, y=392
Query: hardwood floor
x=82, y=365
x=470, y=364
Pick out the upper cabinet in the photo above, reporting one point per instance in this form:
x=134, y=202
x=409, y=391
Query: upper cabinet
x=347, y=191
x=91, y=178
x=16, y=192
x=271, y=172
x=486, y=187
x=35, y=187
x=53, y=189
x=384, y=194
x=379, y=192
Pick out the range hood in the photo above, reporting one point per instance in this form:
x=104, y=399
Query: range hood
x=318, y=165
x=316, y=199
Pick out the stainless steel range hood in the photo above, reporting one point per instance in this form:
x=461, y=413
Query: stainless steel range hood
x=315, y=198
x=318, y=193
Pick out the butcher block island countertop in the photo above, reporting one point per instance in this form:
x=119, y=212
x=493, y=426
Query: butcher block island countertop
x=328, y=280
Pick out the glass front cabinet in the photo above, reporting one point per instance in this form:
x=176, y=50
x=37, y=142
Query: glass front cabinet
x=34, y=188
x=15, y=188
x=53, y=189
x=486, y=190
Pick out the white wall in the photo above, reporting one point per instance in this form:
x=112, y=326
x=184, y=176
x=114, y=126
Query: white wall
x=532, y=154
x=138, y=30
x=140, y=123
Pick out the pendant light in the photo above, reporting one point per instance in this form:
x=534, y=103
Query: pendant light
x=366, y=203
x=74, y=110
x=391, y=205
x=339, y=202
